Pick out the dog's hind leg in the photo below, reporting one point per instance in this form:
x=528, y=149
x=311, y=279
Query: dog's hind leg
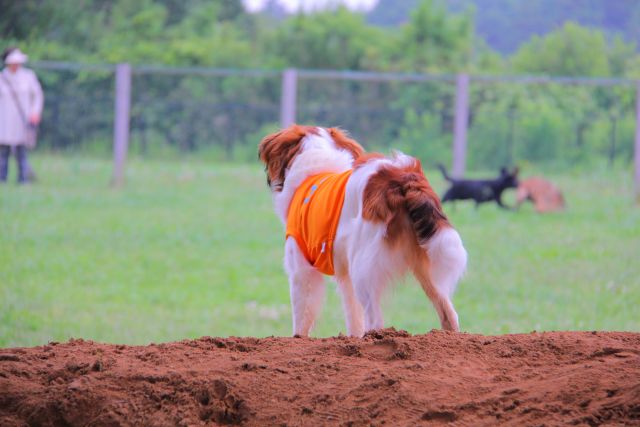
x=439, y=272
x=306, y=286
x=353, y=313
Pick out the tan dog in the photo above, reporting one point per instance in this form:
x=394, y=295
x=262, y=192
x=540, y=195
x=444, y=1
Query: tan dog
x=545, y=196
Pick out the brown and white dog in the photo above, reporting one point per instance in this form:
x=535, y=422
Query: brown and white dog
x=390, y=221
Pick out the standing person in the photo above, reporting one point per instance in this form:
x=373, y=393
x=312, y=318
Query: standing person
x=21, y=102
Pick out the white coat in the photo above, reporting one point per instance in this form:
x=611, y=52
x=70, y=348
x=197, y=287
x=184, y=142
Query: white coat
x=29, y=94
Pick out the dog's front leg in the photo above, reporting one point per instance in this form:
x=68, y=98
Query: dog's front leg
x=498, y=199
x=306, y=287
x=353, y=313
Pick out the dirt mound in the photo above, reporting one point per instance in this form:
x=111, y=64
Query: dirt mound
x=388, y=377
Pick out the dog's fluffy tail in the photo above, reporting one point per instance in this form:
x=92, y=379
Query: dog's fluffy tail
x=423, y=206
x=400, y=188
x=444, y=172
x=448, y=259
x=400, y=195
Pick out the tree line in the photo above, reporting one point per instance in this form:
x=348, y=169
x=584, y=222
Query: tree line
x=542, y=125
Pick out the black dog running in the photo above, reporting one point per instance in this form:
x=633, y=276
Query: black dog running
x=480, y=190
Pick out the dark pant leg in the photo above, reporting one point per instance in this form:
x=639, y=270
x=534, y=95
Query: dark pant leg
x=23, y=167
x=5, y=150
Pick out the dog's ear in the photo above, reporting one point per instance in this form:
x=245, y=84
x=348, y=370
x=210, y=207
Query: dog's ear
x=503, y=171
x=278, y=150
x=344, y=142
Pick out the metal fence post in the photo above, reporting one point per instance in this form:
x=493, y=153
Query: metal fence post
x=288, y=100
x=460, y=125
x=121, y=122
x=636, y=162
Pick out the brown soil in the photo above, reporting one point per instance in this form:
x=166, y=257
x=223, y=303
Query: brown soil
x=388, y=377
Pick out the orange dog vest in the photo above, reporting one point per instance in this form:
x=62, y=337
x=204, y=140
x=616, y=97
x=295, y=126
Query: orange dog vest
x=313, y=217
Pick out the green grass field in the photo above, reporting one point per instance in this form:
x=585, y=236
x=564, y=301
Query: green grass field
x=191, y=248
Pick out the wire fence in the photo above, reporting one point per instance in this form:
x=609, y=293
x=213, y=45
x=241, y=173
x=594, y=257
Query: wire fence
x=552, y=122
x=79, y=108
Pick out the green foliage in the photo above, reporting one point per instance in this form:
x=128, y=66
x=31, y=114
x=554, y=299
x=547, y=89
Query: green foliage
x=220, y=33
x=178, y=114
x=507, y=24
x=327, y=40
x=434, y=40
x=570, y=51
x=543, y=133
x=490, y=142
x=136, y=31
x=621, y=57
x=194, y=32
x=206, y=37
x=421, y=136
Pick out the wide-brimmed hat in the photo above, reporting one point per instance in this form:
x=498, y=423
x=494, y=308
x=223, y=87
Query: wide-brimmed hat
x=16, y=57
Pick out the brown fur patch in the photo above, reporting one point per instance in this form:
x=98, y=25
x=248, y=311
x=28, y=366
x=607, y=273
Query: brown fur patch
x=343, y=141
x=278, y=150
x=401, y=196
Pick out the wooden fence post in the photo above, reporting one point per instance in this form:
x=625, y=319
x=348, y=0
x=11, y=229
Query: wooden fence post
x=289, y=95
x=636, y=156
x=460, y=125
x=121, y=123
